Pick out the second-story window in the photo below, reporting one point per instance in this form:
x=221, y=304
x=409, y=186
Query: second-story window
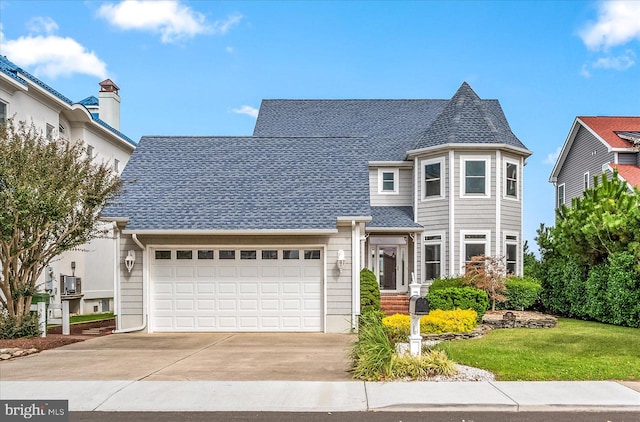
x=49, y=132
x=432, y=187
x=511, y=180
x=387, y=181
x=89, y=151
x=560, y=195
x=116, y=165
x=3, y=113
x=475, y=177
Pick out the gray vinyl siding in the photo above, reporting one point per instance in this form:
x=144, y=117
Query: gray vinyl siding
x=586, y=154
x=130, y=283
x=404, y=197
x=433, y=214
x=632, y=158
x=338, y=284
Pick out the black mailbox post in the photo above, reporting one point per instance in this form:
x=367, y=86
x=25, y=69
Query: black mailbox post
x=418, y=306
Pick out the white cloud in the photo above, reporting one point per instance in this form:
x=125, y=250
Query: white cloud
x=173, y=20
x=621, y=63
x=229, y=49
x=617, y=24
x=248, y=110
x=41, y=24
x=585, y=71
x=52, y=56
x=224, y=26
x=552, y=157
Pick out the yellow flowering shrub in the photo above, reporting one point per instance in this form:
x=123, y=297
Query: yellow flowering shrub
x=436, y=322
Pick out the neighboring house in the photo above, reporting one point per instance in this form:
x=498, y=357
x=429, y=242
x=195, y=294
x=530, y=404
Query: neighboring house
x=96, y=122
x=596, y=144
x=269, y=232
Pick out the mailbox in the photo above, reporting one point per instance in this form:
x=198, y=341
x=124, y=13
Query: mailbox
x=418, y=306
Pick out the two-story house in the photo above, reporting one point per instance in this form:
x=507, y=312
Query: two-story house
x=269, y=232
x=596, y=144
x=96, y=122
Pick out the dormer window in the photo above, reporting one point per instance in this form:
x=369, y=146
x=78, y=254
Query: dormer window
x=388, y=181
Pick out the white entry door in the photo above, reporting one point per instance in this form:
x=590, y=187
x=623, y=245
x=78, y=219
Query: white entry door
x=248, y=289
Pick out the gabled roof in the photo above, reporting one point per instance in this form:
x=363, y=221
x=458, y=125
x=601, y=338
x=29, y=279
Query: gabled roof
x=610, y=130
x=628, y=172
x=23, y=77
x=393, y=127
x=606, y=127
x=467, y=119
x=399, y=218
x=243, y=184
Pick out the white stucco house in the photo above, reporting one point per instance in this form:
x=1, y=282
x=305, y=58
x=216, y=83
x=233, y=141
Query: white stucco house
x=96, y=122
x=269, y=232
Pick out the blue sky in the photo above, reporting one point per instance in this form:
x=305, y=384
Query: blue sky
x=202, y=67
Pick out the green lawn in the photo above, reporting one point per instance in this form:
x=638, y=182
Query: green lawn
x=90, y=317
x=574, y=350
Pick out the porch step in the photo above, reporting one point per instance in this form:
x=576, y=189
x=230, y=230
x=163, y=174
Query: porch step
x=394, y=304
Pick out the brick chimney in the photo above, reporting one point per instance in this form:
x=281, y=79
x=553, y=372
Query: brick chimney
x=109, y=101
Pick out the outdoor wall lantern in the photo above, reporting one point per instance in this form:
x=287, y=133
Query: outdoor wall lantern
x=130, y=260
x=341, y=260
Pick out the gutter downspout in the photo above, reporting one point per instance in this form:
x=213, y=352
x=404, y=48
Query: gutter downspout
x=116, y=273
x=142, y=326
x=355, y=271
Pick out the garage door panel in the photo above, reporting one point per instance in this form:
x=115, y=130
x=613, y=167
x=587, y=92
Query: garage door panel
x=237, y=294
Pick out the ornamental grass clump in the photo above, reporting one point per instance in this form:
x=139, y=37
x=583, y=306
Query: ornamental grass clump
x=372, y=352
x=428, y=364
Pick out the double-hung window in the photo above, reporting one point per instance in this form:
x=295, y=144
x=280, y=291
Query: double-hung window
x=560, y=195
x=433, y=256
x=511, y=180
x=511, y=253
x=475, y=173
x=432, y=185
x=474, y=244
x=3, y=113
x=388, y=181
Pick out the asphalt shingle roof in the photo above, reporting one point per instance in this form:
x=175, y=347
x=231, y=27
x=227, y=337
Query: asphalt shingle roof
x=393, y=127
x=392, y=217
x=243, y=183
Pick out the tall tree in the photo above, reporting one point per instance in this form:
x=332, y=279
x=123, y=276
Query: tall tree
x=51, y=195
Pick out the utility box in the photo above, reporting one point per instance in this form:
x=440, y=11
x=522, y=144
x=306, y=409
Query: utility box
x=418, y=306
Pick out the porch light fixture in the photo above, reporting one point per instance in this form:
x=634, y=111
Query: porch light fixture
x=130, y=260
x=341, y=260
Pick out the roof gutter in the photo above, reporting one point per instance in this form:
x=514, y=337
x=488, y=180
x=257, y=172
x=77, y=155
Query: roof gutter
x=507, y=147
x=288, y=232
x=394, y=229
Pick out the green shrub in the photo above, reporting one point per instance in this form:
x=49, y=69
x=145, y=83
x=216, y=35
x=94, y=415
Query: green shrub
x=443, y=283
x=369, y=291
x=429, y=364
x=575, y=282
x=9, y=330
x=624, y=290
x=522, y=293
x=451, y=298
x=597, y=302
x=372, y=352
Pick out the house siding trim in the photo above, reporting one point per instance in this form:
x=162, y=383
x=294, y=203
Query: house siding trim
x=452, y=215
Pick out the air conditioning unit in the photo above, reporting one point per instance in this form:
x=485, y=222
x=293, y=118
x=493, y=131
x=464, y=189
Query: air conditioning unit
x=70, y=285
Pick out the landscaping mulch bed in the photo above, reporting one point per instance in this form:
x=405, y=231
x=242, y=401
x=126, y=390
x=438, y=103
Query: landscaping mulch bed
x=55, y=338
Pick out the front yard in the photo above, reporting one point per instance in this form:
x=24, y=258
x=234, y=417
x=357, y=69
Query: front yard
x=574, y=350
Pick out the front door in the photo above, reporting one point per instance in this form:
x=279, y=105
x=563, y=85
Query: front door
x=388, y=262
x=387, y=256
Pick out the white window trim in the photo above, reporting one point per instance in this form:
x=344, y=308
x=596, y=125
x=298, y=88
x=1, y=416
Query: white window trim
x=423, y=183
x=564, y=195
x=487, y=176
x=487, y=243
x=440, y=242
x=6, y=109
x=396, y=181
x=586, y=183
x=516, y=242
x=518, y=178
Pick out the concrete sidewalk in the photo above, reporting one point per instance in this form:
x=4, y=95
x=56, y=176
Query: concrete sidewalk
x=316, y=396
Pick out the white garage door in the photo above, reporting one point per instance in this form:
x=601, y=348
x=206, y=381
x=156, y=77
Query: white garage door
x=214, y=289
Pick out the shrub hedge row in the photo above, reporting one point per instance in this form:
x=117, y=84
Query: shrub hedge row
x=450, y=298
x=608, y=292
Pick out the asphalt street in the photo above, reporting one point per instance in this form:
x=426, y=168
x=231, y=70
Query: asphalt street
x=355, y=417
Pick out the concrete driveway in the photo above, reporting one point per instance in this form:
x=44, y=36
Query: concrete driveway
x=193, y=356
